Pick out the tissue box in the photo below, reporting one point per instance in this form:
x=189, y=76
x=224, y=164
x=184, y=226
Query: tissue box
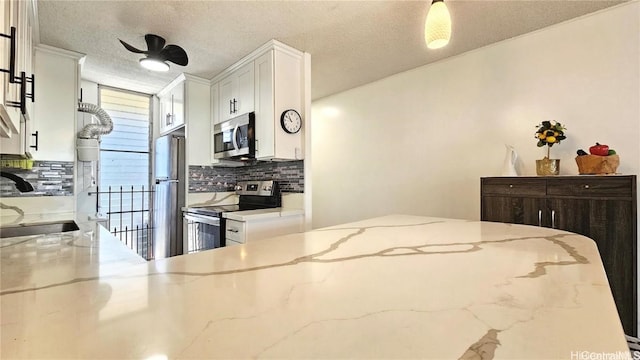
x=596, y=165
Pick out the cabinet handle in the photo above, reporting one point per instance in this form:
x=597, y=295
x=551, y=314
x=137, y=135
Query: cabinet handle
x=32, y=80
x=35, y=134
x=553, y=219
x=539, y=217
x=233, y=230
x=12, y=55
x=23, y=93
x=510, y=185
x=230, y=106
x=235, y=108
x=167, y=120
x=586, y=186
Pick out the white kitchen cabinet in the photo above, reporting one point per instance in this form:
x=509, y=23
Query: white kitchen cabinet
x=236, y=92
x=215, y=101
x=215, y=119
x=18, y=14
x=261, y=227
x=53, y=122
x=164, y=118
x=197, y=120
x=172, y=107
x=268, y=81
x=278, y=87
x=21, y=143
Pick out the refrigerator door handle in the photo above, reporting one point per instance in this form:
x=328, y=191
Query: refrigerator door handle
x=158, y=181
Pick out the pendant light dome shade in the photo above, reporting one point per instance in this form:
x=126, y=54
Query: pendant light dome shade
x=437, y=27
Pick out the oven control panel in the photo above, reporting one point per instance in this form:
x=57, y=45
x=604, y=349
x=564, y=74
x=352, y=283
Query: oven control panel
x=262, y=188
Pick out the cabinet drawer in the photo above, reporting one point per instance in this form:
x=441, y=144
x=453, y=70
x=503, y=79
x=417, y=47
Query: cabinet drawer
x=235, y=231
x=591, y=187
x=513, y=186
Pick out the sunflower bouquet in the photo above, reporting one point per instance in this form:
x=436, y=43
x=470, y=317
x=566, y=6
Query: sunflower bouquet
x=549, y=134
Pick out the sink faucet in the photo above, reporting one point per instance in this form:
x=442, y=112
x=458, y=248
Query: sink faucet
x=21, y=184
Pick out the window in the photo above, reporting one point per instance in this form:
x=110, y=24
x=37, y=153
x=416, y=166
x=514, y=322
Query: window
x=124, y=166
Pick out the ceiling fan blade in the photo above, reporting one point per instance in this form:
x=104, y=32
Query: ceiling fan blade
x=155, y=43
x=131, y=48
x=175, y=54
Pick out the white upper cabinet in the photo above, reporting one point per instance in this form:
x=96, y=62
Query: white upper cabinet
x=197, y=110
x=236, y=93
x=172, y=106
x=278, y=88
x=53, y=128
x=17, y=14
x=186, y=102
x=269, y=81
x=215, y=101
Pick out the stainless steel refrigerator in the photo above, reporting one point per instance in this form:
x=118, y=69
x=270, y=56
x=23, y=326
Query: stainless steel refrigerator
x=169, y=196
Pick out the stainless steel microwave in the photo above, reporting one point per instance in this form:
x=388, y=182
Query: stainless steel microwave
x=235, y=138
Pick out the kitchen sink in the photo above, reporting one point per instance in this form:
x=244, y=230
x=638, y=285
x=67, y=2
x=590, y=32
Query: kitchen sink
x=38, y=228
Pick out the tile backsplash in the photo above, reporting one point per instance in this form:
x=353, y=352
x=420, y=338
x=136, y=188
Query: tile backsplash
x=290, y=176
x=48, y=178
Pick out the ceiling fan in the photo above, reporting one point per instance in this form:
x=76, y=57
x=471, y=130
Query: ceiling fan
x=158, y=54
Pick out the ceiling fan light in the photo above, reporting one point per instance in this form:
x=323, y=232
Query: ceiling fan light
x=154, y=64
x=437, y=27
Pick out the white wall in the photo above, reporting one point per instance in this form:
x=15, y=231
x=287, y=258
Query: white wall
x=419, y=141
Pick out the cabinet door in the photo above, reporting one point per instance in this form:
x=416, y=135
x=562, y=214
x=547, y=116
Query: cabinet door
x=226, y=91
x=178, y=99
x=55, y=112
x=236, y=93
x=513, y=210
x=215, y=104
x=6, y=126
x=14, y=14
x=513, y=200
x=172, y=109
x=20, y=142
x=610, y=223
x=245, y=91
x=165, y=113
x=264, y=106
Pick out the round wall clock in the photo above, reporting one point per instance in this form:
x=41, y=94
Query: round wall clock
x=291, y=121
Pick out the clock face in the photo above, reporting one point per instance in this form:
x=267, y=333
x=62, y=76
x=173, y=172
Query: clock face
x=291, y=121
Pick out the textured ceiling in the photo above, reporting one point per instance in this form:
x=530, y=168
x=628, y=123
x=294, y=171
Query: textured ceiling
x=351, y=42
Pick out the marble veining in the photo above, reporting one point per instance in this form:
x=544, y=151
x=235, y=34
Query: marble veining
x=484, y=348
x=391, y=287
x=17, y=210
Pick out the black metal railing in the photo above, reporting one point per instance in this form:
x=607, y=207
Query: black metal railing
x=128, y=216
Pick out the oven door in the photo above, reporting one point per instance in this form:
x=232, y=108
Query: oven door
x=203, y=232
x=235, y=138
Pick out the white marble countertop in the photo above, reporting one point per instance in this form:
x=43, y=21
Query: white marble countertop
x=390, y=287
x=247, y=215
x=39, y=261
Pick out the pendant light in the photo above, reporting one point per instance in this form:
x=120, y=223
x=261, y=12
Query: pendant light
x=437, y=27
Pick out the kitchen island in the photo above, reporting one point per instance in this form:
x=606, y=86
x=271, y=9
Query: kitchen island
x=391, y=287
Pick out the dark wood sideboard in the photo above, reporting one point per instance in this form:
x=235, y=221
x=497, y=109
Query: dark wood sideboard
x=602, y=208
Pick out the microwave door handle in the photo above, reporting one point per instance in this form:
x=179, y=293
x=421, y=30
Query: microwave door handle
x=234, y=138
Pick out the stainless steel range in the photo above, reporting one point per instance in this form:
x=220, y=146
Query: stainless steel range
x=205, y=224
